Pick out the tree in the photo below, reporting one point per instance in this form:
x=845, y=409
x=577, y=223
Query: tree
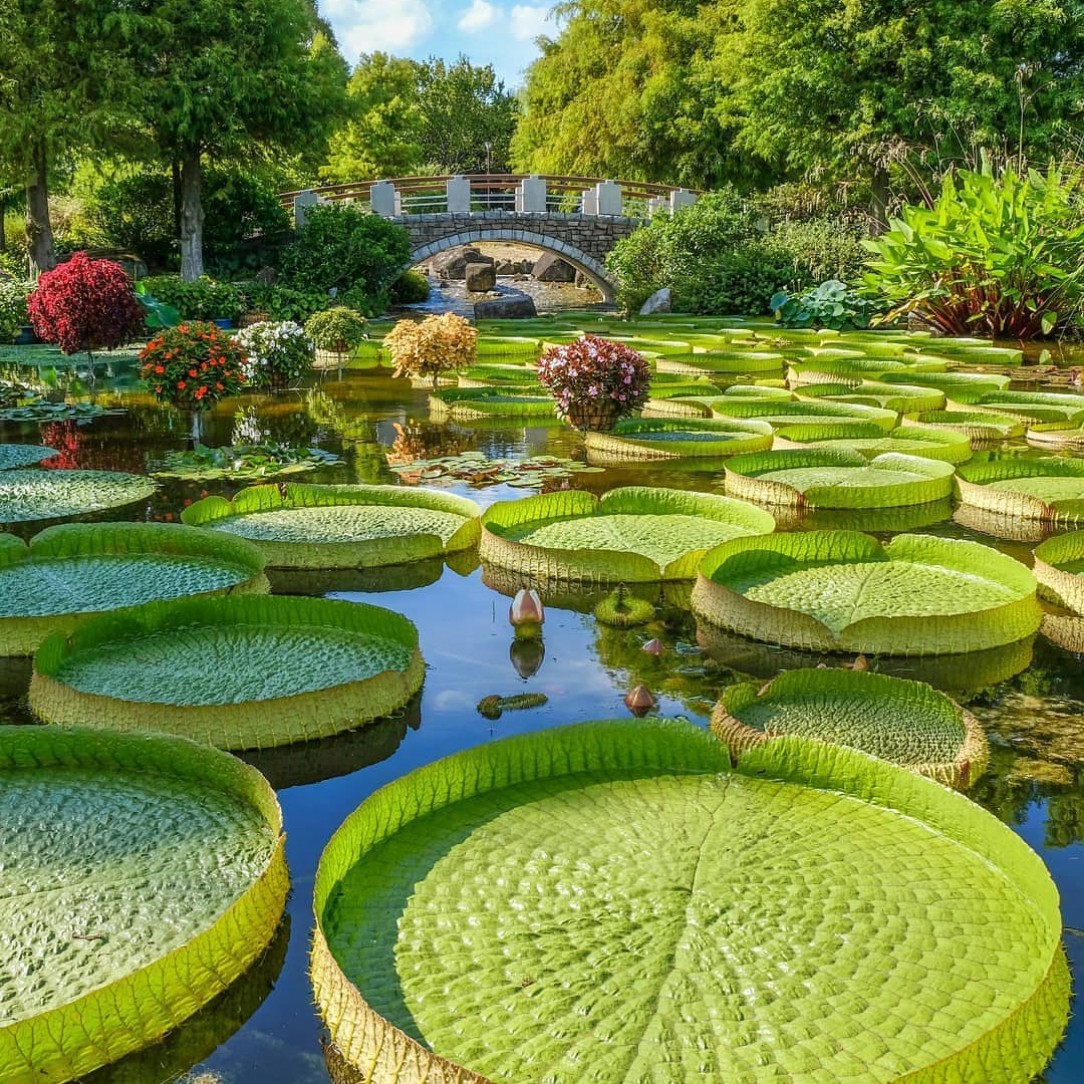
x=383, y=135
x=233, y=78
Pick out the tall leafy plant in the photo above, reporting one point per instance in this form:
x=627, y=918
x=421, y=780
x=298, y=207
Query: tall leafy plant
x=996, y=254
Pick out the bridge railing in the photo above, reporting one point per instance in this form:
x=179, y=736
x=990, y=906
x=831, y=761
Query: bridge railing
x=481, y=192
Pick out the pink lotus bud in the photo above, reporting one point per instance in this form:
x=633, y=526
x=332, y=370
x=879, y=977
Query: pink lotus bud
x=640, y=701
x=654, y=647
x=526, y=613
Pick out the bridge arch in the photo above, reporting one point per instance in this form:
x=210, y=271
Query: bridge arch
x=591, y=268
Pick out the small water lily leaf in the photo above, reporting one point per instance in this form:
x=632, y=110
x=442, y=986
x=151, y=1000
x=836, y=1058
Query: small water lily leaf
x=28, y=495
x=23, y=455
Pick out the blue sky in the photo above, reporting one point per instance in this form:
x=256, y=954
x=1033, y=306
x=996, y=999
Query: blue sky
x=497, y=32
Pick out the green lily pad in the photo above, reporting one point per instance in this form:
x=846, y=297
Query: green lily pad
x=27, y=495
x=23, y=455
x=139, y=876
x=1046, y=489
x=243, y=462
x=611, y=902
x=655, y=438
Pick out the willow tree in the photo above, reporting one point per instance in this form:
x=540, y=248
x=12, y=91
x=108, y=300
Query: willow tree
x=233, y=78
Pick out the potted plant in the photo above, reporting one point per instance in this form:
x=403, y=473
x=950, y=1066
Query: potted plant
x=335, y=334
x=433, y=347
x=278, y=353
x=594, y=381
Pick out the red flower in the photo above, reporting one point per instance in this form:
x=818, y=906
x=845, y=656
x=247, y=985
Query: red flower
x=180, y=385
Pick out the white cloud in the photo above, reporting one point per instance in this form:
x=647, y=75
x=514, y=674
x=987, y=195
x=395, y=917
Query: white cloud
x=477, y=17
x=528, y=21
x=365, y=26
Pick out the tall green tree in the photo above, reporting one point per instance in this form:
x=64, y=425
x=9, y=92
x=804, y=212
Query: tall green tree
x=382, y=136
x=233, y=79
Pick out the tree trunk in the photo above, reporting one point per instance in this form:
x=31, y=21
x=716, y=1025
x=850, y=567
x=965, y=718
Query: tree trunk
x=880, y=194
x=191, y=218
x=39, y=230
x=175, y=168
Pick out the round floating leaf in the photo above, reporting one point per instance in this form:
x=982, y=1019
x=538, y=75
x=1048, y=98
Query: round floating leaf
x=23, y=455
x=718, y=362
x=656, y=438
x=903, y=398
x=844, y=591
x=1059, y=567
x=315, y=526
x=611, y=902
x=1064, y=440
x=1043, y=489
x=69, y=571
x=468, y=404
x=949, y=447
x=781, y=412
x=27, y=495
x=837, y=478
x=631, y=534
x=975, y=424
x=239, y=673
x=139, y=876
x=905, y=722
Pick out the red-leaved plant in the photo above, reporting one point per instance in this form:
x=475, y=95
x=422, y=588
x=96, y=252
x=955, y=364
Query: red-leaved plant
x=595, y=382
x=193, y=365
x=85, y=304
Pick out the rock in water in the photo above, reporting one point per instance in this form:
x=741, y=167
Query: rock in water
x=480, y=277
x=515, y=307
x=659, y=301
x=551, y=268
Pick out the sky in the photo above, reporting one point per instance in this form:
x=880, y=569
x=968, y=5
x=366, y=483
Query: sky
x=497, y=32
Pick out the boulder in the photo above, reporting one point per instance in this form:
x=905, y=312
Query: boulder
x=505, y=267
x=480, y=277
x=453, y=263
x=659, y=301
x=513, y=307
x=550, y=268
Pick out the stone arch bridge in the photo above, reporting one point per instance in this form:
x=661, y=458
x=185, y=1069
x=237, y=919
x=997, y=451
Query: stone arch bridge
x=579, y=219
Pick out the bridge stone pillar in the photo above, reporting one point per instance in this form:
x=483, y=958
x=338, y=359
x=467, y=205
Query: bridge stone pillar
x=589, y=203
x=531, y=195
x=302, y=202
x=657, y=204
x=609, y=198
x=384, y=199
x=681, y=197
x=458, y=188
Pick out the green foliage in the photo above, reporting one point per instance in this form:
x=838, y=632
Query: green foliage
x=820, y=249
x=832, y=304
x=999, y=255
x=247, y=462
x=340, y=248
x=410, y=288
x=338, y=329
x=13, y=315
x=204, y=299
x=734, y=283
x=287, y=301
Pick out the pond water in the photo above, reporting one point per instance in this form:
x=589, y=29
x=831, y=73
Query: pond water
x=1030, y=697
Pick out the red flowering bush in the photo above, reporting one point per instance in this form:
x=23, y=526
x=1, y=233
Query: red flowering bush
x=595, y=382
x=85, y=304
x=193, y=365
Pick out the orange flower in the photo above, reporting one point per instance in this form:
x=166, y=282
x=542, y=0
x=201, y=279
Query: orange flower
x=159, y=369
x=180, y=385
x=192, y=372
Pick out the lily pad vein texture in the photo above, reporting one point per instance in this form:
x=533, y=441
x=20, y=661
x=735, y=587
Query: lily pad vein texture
x=28, y=494
x=1059, y=568
x=611, y=903
x=779, y=412
x=72, y=570
x=1046, y=489
x=924, y=441
x=23, y=455
x=656, y=438
x=845, y=591
x=139, y=876
x=340, y=526
x=633, y=534
x=469, y=404
x=898, y=720
x=238, y=673
x=837, y=478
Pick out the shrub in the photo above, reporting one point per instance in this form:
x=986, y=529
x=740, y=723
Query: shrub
x=432, y=347
x=819, y=249
x=13, y=314
x=278, y=353
x=193, y=365
x=338, y=330
x=281, y=302
x=735, y=283
x=341, y=248
x=832, y=304
x=410, y=288
x=85, y=304
x=594, y=381
x=204, y=299
x=998, y=255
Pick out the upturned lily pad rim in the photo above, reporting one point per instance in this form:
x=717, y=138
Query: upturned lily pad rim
x=948, y=445
x=139, y=1008
x=961, y=772
x=1051, y=557
x=388, y=1055
x=603, y=566
x=973, y=487
x=714, y=601
x=636, y=438
x=264, y=723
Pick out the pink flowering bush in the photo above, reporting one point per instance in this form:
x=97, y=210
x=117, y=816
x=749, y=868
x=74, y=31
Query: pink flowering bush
x=595, y=382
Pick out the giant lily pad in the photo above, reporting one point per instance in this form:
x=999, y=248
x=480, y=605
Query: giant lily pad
x=612, y=902
x=945, y=445
x=23, y=455
x=844, y=591
x=977, y=425
x=722, y=362
x=313, y=526
x=838, y=478
x=631, y=534
x=470, y=404
x=1059, y=567
x=905, y=722
x=139, y=876
x=1045, y=489
x=27, y=495
x=780, y=412
x=284, y=670
x=656, y=438
x=903, y=398
x=69, y=571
